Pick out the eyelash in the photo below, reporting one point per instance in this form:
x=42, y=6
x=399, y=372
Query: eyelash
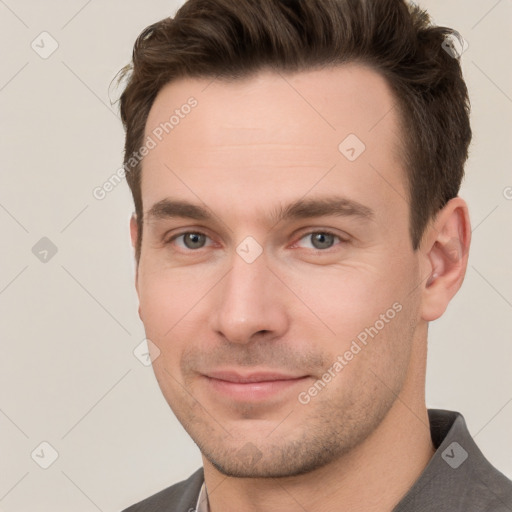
x=304, y=235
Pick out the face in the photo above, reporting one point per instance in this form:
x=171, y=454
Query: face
x=277, y=281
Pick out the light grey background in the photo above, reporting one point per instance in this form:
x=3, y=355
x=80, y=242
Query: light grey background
x=68, y=375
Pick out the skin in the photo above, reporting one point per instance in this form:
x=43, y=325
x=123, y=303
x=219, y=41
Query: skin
x=248, y=148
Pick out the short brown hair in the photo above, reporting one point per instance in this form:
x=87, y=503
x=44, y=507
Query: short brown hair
x=232, y=39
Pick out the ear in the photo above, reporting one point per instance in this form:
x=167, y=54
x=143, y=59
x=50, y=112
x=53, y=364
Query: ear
x=445, y=249
x=134, y=235
x=134, y=230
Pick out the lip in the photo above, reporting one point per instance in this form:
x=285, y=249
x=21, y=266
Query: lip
x=252, y=387
x=236, y=377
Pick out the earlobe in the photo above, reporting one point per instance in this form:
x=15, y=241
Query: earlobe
x=445, y=248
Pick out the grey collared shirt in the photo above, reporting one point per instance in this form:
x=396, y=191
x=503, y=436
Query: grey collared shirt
x=458, y=477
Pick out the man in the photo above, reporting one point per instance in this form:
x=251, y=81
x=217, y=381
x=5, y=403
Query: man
x=295, y=167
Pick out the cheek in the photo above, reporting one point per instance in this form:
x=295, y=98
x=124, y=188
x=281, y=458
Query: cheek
x=170, y=304
x=161, y=311
x=349, y=299
x=155, y=304
x=375, y=353
x=166, y=296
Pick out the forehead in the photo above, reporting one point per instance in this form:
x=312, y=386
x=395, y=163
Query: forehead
x=331, y=100
x=274, y=135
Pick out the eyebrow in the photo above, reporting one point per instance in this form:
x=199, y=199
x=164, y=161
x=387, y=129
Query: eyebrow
x=300, y=209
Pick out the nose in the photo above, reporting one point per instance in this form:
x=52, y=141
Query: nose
x=249, y=303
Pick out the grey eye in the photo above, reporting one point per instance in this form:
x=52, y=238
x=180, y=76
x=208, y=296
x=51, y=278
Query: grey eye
x=322, y=240
x=194, y=240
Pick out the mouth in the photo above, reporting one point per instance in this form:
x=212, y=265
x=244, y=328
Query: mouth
x=252, y=387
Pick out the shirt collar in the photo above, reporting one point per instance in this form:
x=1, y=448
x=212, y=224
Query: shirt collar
x=202, y=500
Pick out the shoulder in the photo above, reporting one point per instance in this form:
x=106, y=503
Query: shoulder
x=490, y=488
x=463, y=477
x=182, y=497
x=458, y=477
